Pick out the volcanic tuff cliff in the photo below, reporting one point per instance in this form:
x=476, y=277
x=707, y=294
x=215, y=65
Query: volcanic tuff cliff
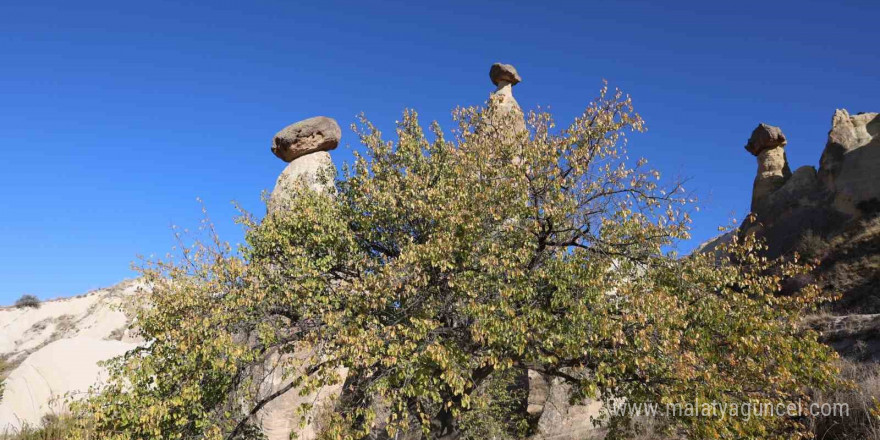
x=54, y=349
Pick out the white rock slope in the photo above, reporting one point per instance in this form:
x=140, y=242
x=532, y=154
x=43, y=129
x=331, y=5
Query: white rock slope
x=55, y=349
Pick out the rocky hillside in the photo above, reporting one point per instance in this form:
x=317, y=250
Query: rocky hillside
x=53, y=350
x=830, y=215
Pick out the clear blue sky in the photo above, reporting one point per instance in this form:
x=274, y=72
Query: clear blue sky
x=115, y=116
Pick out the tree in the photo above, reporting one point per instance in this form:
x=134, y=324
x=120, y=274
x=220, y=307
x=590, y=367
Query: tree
x=437, y=271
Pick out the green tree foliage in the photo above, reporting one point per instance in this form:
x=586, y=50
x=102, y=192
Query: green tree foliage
x=438, y=269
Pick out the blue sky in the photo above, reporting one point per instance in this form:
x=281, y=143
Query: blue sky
x=116, y=116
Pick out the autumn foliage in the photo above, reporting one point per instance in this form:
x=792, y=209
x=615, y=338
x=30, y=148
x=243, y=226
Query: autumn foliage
x=440, y=268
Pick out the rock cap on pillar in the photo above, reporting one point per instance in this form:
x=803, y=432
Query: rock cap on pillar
x=765, y=137
x=307, y=136
x=505, y=76
x=500, y=72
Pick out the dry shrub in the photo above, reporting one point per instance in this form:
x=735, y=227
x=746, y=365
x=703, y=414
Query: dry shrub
x=28, y=301
x=862, y=399
x=812, y=246
x=53, y=427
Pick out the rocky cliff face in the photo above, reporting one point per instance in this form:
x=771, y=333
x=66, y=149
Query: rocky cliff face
x=850, y=165
x=846, y=187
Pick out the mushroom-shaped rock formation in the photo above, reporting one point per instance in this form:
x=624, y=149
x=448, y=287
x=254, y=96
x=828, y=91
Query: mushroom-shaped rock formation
x=305, y=145
x=314, y=134
x=765, y=137
x=505, y=76
x=504, y=73
x=768, y=144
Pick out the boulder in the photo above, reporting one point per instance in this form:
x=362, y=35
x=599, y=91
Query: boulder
x=504, y=73
x=314, y=170
x=765, y=137
x=304, y=137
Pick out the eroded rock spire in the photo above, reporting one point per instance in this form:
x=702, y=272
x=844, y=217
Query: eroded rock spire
x=505, y=76
x=305, y=146
x=767, y=143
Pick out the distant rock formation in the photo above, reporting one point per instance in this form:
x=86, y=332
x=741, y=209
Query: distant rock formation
x=547, y=402
x=846, y=187
x=830, y=216
x=305, y=145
